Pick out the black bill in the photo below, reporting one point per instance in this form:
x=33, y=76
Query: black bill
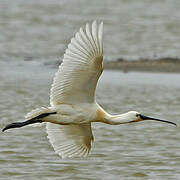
x=155, y=119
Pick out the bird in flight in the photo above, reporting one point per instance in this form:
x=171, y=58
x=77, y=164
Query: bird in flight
x=72, y=97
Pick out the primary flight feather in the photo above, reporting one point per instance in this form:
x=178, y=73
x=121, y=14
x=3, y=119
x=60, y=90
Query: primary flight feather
x=75, y=82
x=72, y=98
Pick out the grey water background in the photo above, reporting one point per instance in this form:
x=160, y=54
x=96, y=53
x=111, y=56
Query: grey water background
x=40, y=30
x=33, y=37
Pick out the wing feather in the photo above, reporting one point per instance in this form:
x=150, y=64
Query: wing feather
x=70, y=140
x=76, y=80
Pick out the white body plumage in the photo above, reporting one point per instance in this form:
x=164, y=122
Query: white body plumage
x=73, y=94
x=72, y=98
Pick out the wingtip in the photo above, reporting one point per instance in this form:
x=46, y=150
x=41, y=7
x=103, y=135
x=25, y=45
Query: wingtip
x=101, y=24
x=94, y=22
x=87, y=25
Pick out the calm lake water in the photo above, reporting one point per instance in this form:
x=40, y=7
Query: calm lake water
x=146, y=150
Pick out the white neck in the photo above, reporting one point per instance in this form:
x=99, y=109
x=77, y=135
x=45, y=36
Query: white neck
x=103, y=116
x=117, y=119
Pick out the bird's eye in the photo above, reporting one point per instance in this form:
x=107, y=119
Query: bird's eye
x=137, y=115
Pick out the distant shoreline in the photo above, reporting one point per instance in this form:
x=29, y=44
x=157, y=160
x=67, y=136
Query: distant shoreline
x=167, y=64
x=171, y=65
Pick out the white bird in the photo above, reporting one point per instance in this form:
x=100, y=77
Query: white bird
x=72, y=98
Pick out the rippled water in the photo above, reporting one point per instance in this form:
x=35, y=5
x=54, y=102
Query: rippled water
x=146, y=150
x=40, y=30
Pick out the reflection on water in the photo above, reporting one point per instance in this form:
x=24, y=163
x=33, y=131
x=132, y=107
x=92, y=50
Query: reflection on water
x=146, y=150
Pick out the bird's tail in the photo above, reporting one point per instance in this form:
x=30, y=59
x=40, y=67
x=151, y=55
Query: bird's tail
x=35, y=116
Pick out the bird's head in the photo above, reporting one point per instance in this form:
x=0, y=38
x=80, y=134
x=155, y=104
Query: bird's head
x=135, y=116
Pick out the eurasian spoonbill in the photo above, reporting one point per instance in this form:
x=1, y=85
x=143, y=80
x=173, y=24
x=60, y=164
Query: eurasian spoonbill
x=72, y=98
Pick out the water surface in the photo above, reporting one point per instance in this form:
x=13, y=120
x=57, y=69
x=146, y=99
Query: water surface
x=40, y=30
x=146, y=150
x=36, y=33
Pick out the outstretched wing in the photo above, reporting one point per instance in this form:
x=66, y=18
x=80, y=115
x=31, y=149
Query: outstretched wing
x=76, y=79
x=70, y=140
